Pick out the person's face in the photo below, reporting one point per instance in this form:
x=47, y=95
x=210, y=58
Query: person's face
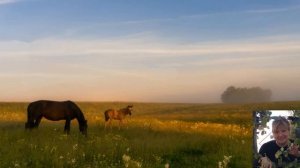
x=281, y=135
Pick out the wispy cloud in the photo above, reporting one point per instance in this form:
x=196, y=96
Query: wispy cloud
x=273, y=10
x=165, y=20
x=3, y=2
x=147, y=68
x=132, y=48
x=249, y=11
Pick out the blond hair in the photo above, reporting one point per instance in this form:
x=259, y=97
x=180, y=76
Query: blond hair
x=280, y=121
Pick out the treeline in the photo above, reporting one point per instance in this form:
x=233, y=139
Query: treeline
x=246, y=95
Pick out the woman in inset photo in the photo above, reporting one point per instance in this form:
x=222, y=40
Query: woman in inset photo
x=282, y=151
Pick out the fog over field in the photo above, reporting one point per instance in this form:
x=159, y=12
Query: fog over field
x=147, y=51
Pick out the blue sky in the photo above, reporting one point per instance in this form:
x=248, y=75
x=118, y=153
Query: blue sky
x=158, y=51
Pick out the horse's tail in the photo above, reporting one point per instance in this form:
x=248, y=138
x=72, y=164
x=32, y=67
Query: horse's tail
x=29, y=111
x=106, y=115
x=30, y=116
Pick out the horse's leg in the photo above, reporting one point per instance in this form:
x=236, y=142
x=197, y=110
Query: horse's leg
x=105, y=125
x=29, y=124
x=37, y=121
x=109, y=123
x=67, y=126
x=120, y=123
x=126, y=123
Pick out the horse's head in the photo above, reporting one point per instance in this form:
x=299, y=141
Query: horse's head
x=129, y=109
x=83, y=127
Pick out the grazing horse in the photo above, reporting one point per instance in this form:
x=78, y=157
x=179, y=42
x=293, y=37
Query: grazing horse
x=112, y=114
x=54, y=111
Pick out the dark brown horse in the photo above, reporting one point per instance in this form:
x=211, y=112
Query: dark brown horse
x=55, y=111
x=112, y=114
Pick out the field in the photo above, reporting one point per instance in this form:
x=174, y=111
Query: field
x=155, y=136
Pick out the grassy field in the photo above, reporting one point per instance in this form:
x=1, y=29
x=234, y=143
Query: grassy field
x=155, y=136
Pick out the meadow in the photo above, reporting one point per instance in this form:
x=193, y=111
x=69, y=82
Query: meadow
x=157, y=135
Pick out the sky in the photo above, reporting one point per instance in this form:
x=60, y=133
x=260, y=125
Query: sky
x=147, y=51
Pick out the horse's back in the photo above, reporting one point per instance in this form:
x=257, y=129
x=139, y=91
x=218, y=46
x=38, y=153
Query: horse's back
x=35, y=107
x=110, y=114
x=114, y=114
x=52, y=110
x=43, y=104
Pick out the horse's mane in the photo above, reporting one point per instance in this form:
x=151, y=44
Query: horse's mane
x=126, y=110
x=74, y=107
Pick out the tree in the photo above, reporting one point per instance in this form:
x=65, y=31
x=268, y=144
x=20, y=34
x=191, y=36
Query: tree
x=246, y=95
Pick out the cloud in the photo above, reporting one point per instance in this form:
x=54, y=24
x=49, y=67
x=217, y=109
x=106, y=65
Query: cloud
x=3, y=2
x=254, y=11
x=146, y=69
x=141, y=54
x=141, y=47
x=273, y=10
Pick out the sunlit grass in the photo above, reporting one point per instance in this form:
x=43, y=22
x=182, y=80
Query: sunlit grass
x=156, y=135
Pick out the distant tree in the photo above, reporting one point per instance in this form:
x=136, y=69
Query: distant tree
x=246, y=95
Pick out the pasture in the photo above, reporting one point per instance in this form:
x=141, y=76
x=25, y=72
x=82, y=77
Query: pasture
x=157, y=135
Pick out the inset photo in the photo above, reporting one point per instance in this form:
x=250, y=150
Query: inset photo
x=276, y=138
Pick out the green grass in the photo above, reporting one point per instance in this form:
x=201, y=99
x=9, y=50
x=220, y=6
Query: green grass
x=183, y=135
